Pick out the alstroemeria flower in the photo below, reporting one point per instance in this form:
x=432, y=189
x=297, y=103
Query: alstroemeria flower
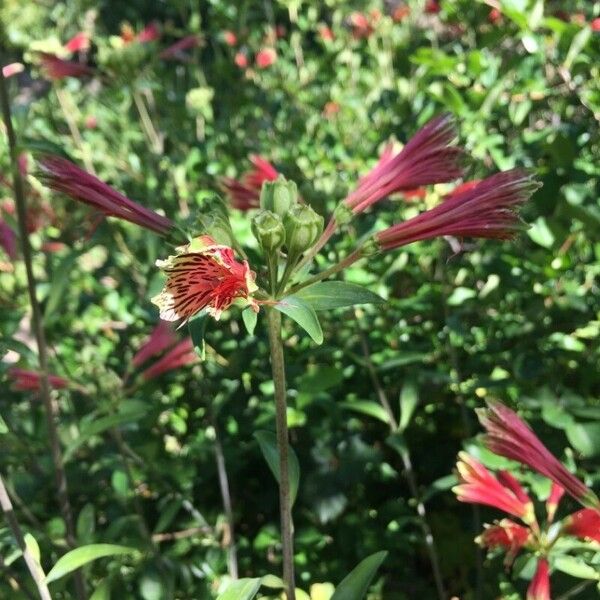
x=584, y=523
x=203, y=275
x=486, y=210
x=61, y=175
x=539, y=588
x=428, y=157
x=56, y=68
x=478, y=486
x=509, y=436
x=182, y=354
x=556, y=493
x=25, y=380
x=161, y=338
x=244, y=193
x=505, y=534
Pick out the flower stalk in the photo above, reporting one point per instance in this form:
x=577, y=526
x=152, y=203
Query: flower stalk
x=278, y=368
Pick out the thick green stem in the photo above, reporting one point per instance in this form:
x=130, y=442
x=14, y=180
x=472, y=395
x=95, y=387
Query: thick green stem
x=278, y=367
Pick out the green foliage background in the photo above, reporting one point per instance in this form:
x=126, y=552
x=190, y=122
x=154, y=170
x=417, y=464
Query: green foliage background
x=515, y=321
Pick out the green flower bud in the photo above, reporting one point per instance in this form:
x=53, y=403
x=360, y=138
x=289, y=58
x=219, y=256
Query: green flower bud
x=213, y=220
x=278, y=196
x=303, y=226
x=268, y=229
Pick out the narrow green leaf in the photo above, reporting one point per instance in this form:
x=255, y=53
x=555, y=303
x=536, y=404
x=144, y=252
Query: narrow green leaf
x=356, y=584
x=577, y=45
x=267, y=441
x=409, y=398
x=80, y=556
x=197, y=329
x=576, y=568
x=303, y=313
x=242, y=589
x=585, y=438
x=33, y=547
x=367, y=407
x=249, y=317
x=326, y=295
x=58, y=286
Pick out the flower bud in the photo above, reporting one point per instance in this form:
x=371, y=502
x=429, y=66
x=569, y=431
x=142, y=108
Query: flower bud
x=278, y=196
x=213, y=220
x=303, y=226
x=268, y=229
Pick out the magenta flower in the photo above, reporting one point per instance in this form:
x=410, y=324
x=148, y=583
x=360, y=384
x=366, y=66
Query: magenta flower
x=584, y=523
x=161, y=338
x=150, y=33
x=177, y=50
x=487, y=210
x=478, y=486
x=25, y=380
x=8, y=240
x=539, y=588
x=61, y=175
x=182, y=354
x=245, y=192
x=429, y=157
x=509, y=436
x=56, y=68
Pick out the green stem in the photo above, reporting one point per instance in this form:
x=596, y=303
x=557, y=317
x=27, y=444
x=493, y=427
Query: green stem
x=278, y=367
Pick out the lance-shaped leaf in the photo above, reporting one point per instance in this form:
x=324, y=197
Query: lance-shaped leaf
x=326, y=295
x=303, y=313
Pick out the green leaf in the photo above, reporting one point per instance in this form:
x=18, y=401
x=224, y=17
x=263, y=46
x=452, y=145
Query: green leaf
x=33, y=547
x=102, y=591
x=267, y=441
x=585, y=438
x=59, y=284
x=303, y=313
x=409, y=398
x=356, y=584
x=249, y=317
x=197, y=329
x=80, y=556
x=242, y=589
x=540, y=233
x=576, y=568
x=577, y=45
x=367, y=407
x=326, y=295
x=86, y=523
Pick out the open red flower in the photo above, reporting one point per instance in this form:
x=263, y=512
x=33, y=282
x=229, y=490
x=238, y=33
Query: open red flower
x=507, y=535
x=585, y=523
x=25, y=380
x=56, y=68
x=61, y=175
x=539, y=588
x=182, y=354
x=429, y=157
x=509, y=436
x=203, y=275
x=244, y=193
x=486, y=210
x=478, y=486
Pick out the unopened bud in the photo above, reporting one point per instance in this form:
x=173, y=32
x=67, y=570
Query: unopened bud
x=213, y=220
x=268, y=229
x=303, y=226
x=278, y=196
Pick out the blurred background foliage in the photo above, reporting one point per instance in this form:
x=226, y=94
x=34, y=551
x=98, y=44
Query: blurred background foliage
x=515, y=321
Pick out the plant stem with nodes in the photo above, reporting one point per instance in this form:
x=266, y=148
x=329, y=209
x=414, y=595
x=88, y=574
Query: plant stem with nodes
x=278, y=368
x=36, y=319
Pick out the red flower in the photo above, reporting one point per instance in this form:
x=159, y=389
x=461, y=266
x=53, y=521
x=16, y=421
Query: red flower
x=419, y=192
x=507, y=535
x=241, y=60
x=429, y=157
x=432, y=7
x=12, y=69
x=181, y=355
x=25, y=380
x=494, y=16
x=585, y=523
x=8, y=240
x=595, y=24
x=177, y=50
x=78, y=42
x=63, y=176
x=56, y=68
x=230, y=38
x=400, y=13
x=509, y=436
x=91, y=122
x=203, y=275
x=539, y=588
x=266, y=57
x=150, y=33
x=556, y=493
x=245, y=192
x=161, y=338
x=331, y=109
x=488, y=210
x=510, y=482
x=361, y=26
x=326, y=33
x=478, y=486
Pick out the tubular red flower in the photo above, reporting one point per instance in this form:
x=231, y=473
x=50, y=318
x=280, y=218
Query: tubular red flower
x=507, y=535
x=539, y=588
x=556, y=493
x=508, y=435
x=478, y=486
x=176, y=50
x=12, y=69
x=266, y=57
x=203, y=275
x=150, y=33
x=429, y=157
x=25, y=380
x=161, y=338
x=78, y=42
x=507, y=480
x=584, y=523
x=56, y=68
x=229, y=38
x=181, y=355
x=61, y=175
x=8, y=240
x=244, y=193
x=487, y=210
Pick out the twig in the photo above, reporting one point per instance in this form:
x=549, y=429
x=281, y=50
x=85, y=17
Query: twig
x=154, y=139
x=14, y=582
x=575, y=590
x=50, y=409
x=34, y=567
x=180, y=535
